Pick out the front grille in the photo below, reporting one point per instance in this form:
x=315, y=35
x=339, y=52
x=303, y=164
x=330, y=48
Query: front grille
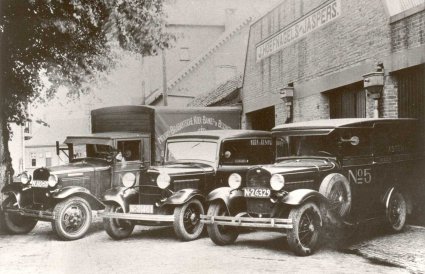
x=41, y=174
x=150, y=193
x=258, y=178
x=259, y=206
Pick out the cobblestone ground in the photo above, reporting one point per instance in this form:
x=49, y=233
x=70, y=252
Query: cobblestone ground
x=158, y=251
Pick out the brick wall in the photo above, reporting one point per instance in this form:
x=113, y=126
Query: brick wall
x=361, y=32
x=408, y=32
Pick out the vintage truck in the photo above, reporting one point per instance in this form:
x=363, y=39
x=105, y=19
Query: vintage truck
x=125, y=140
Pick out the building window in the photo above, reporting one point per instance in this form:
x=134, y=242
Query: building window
x=33, y=159
x=184, y=54
x=48, y=159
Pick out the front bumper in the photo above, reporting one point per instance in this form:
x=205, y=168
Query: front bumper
x=247, y=221
x=138, y=217
x=37, y=214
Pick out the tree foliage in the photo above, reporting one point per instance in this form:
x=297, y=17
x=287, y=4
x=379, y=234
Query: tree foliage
x=70, y=42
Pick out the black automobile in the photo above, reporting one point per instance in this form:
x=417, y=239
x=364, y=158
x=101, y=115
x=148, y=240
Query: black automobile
x=338, y=171
x=65, y=195
x=195, y=163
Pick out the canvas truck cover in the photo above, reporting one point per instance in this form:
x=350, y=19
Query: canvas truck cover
x=162, y=122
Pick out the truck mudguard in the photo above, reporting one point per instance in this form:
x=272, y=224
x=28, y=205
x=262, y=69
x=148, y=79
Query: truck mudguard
x=300, y=196
x=182, y=196
x=82, y=192
x=122, y=196
x=227, y=195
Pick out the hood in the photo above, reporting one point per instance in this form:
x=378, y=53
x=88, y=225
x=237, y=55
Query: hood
x=182, y=168
x=79, y=167
x=295, y=165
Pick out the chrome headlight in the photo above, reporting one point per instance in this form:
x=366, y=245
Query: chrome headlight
x=53, y=180
x=25, y=178
x=128, y=179
x=163, y=180
x=235, y=181
x=277, y=182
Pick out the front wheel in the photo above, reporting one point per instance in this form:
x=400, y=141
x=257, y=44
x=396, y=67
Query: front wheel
x=17, y=224
x=221, y=235
x=116, y=228
x=397, y=211
x=187, y=222
x=72, y=218
x=303, y=238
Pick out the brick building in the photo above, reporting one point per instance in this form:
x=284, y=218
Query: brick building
x=322, y=48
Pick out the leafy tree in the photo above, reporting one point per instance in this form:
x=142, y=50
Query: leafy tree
x=70, y=42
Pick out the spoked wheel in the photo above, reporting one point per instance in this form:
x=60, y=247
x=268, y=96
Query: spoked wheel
x=336, y=188
x=187, y=222
x=397, y=211
x=221, y=235
x=14, y=223
x=303, y=238
x=72, y=218
x=117, y=228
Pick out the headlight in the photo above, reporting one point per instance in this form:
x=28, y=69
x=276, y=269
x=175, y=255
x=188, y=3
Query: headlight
x=25, y=178
x=277, y=182
x=128, y=179
x=163, y=180
x=235, y=181
x=53, y=180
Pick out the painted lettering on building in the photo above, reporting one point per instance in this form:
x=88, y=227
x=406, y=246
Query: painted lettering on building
x=315, y=19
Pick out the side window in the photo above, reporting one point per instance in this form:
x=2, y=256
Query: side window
x=282, y=149
x=247, y=152
x=130, y=150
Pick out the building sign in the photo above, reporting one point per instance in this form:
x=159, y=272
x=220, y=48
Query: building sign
x=313, y=20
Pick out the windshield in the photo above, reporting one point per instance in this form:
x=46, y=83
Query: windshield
x=191, y=151
x=93, y=151
x=311, y=146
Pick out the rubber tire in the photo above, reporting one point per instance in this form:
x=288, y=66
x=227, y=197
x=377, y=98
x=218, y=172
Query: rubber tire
x=178, y=224
x=219, y=238
x=293, y=235
x=15, y=224
x=114, y=230
x=327, y=188
x=59, y=211
x=393, y=227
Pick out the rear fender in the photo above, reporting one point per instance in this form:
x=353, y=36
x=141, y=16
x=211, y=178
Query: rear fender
x=233, y=199
x=300, y=196
x=182, y=196
x=76, y=191
x=122, y=196
x=390, y=191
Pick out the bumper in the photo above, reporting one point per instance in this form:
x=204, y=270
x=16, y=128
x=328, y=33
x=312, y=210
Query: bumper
x=247, y=221
x=38, y=214
x=138, y=217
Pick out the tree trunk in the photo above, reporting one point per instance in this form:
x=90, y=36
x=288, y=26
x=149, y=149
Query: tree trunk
x=6, y=170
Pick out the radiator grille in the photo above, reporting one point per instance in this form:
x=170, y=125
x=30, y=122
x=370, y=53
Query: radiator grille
x=258, y=178
x=41, y=174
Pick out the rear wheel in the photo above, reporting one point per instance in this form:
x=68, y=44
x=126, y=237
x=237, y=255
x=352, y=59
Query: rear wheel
x=221, y=235
x=187, y=222
x=17, y=224
x=397, y=211
x=303, y=238
x=72, y=218
x=117, y=228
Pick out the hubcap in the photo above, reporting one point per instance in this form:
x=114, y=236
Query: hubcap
x=73, y=218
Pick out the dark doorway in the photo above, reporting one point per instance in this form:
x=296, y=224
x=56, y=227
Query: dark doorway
x=348, y=101
x=262, y=119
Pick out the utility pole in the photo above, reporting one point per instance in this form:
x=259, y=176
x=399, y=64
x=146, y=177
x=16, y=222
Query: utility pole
x=164, y=78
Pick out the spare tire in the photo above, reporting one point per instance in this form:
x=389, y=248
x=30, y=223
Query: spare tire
x=336, y=188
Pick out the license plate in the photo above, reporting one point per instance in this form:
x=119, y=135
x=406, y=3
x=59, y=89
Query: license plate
x=140, y=209
x=256, y=192
x=39, y=183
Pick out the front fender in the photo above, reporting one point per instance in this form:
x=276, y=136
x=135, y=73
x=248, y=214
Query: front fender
x=300, y=196
x=230, y=197
x=15, y=190
x=82, y=192
x=182, y=196
x=122, y=196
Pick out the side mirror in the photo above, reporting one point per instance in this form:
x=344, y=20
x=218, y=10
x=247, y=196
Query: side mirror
x=355, y=140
